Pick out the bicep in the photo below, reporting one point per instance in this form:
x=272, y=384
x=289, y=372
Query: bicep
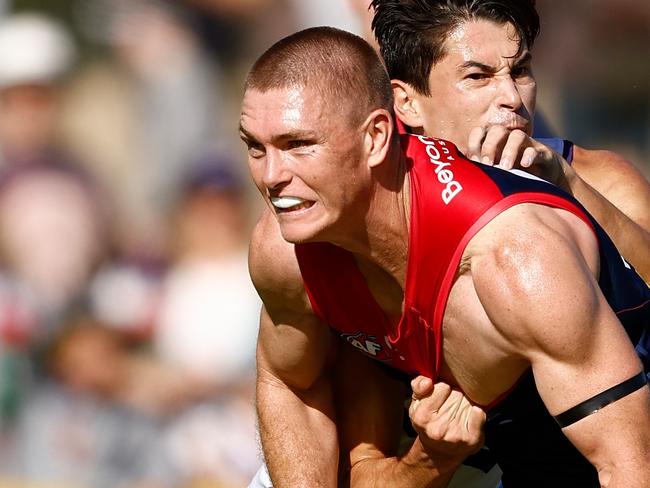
x=587, y=354
x=543, y=298
x=293, y=349
x=293, y=343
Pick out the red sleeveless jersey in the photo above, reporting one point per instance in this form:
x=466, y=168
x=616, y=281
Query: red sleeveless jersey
x=451, y=199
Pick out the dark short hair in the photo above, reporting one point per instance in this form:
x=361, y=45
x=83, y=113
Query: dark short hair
x=412, y=33
x=338, y=64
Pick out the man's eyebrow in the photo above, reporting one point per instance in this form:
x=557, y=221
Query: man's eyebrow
x=295, y=134
x=526, y=57
x=476, y=64
x=287, y=136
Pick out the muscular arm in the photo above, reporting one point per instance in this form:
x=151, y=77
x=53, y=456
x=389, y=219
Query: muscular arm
x=536, y=282
x=618, y=196
x=370, y=409
x=294, y=401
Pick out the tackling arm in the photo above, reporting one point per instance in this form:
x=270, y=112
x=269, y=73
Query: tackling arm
x=294, y=400
x=618, y=196
x=536, y=283
x=370, y=408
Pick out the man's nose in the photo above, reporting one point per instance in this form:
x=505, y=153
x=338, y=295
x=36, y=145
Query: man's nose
x=275, y=170
x=508, y=95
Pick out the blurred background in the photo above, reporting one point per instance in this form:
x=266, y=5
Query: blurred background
x=127, y=320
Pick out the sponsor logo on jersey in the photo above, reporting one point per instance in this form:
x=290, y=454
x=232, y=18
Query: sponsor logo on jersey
x=370, y=345
x=440, y=156
x=367, y=344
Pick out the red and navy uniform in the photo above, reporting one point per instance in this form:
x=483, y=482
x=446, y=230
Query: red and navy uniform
x=452, y=198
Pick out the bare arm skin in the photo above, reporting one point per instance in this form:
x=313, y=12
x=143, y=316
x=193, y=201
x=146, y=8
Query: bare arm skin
x=618, y=196
x=533, y=271
x=613, y=191
x=294, y=395
x=370, y=421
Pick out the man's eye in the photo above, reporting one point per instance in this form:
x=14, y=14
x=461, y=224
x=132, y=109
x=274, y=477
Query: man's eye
x=294, y=144
x=476, y=76
x=255, y=150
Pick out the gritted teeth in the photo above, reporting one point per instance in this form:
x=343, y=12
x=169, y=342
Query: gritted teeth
x=286, y=202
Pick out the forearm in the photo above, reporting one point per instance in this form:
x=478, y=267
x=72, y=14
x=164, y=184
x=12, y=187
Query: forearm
x=298, y=434
x=631, y=240
x=414, y=469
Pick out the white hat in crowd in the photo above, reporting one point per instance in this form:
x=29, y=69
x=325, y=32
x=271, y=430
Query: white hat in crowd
x=33, y=49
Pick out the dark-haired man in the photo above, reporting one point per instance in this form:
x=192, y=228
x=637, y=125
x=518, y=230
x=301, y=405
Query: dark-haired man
x=462, y=70
x=499, y=285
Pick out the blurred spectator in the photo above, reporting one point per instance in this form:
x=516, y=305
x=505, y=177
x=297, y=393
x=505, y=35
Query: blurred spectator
x=207, y=328
x=51, y=218
x=52, y=236
x=76, y=429
x=207, y=324
x=140, y=116
x=204, y=326
x=35, y=54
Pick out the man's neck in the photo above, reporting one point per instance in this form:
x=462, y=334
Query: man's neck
x=383, y=240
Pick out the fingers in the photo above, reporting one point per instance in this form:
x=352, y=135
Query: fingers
x=498, y=145
x=528, y=157
x=424, y=407
x=476, y=419
x=493, y=144
x=447, y=422
x=475, y=143
x=517, y=142
x=421, y=386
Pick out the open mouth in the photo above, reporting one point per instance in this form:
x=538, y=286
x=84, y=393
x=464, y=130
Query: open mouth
x=290, y=204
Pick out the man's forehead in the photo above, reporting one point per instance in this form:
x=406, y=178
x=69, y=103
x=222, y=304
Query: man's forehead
x=280, y=109
x=480, y=40
x=274, y=98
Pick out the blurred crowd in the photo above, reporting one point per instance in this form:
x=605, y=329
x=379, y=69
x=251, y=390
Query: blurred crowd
x=127, y=318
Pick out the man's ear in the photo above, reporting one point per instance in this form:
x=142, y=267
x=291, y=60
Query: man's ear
x=378, y=134
x=406, y=104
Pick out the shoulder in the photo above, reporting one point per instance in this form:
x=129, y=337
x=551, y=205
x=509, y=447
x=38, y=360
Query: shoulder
x=533, y=230
x=605, y=169
x=529, y=257
x=616, y=179
x=274, y=267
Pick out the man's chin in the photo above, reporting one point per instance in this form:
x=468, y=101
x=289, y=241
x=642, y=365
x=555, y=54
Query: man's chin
x=295, y=236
